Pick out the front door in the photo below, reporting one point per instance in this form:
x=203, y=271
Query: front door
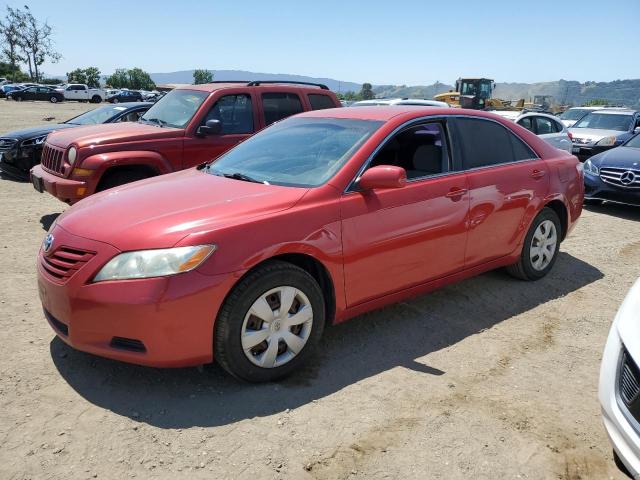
x=237, y=114
x=507, y=182
x=394, y=239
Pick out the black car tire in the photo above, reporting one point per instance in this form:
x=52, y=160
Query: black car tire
x=115, y=100
x=96, y=99
x=17, y=98
x=524, y=269
x=53, y=99
x=120, y=177
x=227, y=343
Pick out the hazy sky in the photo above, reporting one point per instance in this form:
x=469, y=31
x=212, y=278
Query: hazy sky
x=400, y=42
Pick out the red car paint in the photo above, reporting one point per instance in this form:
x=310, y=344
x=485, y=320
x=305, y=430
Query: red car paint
x=377, y=247
x=104, y=148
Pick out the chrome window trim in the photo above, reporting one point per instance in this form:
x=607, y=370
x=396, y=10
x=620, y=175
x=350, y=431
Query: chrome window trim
x=353, y=182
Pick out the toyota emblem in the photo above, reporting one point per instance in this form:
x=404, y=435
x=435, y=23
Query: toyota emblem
x=627, y=178
x=48, y=241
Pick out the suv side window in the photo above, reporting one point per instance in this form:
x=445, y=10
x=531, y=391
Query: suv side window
x=277, y=106
x=544, y=126
x=320, y=102
x=421, y=150
x=235, y=112
x=485, y=142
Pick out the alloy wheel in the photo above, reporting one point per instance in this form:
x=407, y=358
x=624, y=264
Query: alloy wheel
x=276, y=327
x=543, y=245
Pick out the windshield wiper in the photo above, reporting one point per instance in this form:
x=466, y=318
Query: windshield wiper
x=157, y=121
x=243, y=177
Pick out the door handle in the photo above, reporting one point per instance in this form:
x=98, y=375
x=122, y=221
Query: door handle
x=456, y=192
x=537, y=174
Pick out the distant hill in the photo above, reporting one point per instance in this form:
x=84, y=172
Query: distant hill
x=186, y=76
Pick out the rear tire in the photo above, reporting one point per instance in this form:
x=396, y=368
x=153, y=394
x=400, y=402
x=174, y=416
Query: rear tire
x=17, y=99
x=121, y=177
x=115, y=100
x=540, y=248
x=96, y=99
x=53, y=99
x=292, y=340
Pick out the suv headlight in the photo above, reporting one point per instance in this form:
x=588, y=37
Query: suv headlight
x=154, y=263
x=590, y=168
x=607, y=141
x=71, y=155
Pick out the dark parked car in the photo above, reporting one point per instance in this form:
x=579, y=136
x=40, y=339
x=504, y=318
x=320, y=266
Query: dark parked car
x=20, y=150
x=36, y=93
x=603, y=130
x=126, y=96
x=614, y=175
x=5, y=89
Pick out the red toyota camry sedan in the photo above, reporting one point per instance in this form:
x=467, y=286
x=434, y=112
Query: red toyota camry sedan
x=316, y=219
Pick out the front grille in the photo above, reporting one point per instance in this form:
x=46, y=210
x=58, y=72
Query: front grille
x=64, y=262
x=620, y=177
x=57, y=324
x=7, y=144
x=629, y=380
x=52, y=159
x=130, y=344
x=581, y=141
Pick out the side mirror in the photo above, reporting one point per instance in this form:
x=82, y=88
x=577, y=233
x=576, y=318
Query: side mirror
x=383, y=176
x=212, y=127
x=636, y=130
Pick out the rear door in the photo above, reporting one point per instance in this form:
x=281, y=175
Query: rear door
x=507, y=182
x=278, y=105
x=238, y=115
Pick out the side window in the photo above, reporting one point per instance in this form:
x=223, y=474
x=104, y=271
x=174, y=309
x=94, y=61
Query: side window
x=559, y=127
x=277, y=106
x=544, y=126
x=235, y=112
x=421, y=150
x=526, y=123
x=320, y=102
x=484, y=143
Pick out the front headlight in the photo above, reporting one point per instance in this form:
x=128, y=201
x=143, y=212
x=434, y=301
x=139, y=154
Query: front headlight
x=154, y=263
x=71, y=155
x=34, y=141
x=607, y=141
x=590, y=168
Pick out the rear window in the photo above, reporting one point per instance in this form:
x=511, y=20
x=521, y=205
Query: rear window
x=277, y=106
x=320, y=102
x=486, y=143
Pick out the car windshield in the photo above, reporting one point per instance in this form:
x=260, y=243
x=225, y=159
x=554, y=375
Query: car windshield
x=573, y=114
x=175, y=109
x=633, y=142
x=297, y=152
x=99, y=115
x=605, y=121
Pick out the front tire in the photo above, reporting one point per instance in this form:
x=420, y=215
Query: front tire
x=540, y=248
x=115, y=100
x=96, y=99
x=53, y=99
x=117, y=178
x=270, y=323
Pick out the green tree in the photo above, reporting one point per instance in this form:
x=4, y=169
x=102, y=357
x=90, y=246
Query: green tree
x=92, y=75
x=77, y=76
x=11, y=28
x=367, y=93
x=596, y=102
x=202, y=76
x=119, y=78
x=140, y=80
x=12, y=72
x=36, y=42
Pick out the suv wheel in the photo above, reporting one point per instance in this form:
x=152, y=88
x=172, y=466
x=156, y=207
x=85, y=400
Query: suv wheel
x=120, y=177
x=540, y=249
x=269, y=323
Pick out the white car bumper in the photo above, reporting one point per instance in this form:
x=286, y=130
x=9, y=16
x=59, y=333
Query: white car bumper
x=623, y=427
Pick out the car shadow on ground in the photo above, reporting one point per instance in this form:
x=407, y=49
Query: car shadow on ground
x=47, y=220
x=624, y=212
x=395, y=336
x=11, y=178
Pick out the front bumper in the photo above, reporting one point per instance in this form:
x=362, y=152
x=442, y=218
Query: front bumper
x=172, y=318
x=587, y=151
x=17, y=162
x=65, y=189
x=596, y=189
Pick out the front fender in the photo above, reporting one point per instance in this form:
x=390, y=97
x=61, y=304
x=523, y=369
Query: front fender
x=103, y=161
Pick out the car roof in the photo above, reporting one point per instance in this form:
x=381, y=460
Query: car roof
x=387, y=112
x=212, y=87
x=618, y=111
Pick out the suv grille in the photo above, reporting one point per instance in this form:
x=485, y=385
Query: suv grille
x=620, y=177
x=64, y=262
x=7, y=144
x=52, y=159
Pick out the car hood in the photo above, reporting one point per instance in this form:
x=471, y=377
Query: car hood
x=109, y=133
x=161, y=211
x=594, y=134
x=623, y=157
x=569, y=123
x=38, y=131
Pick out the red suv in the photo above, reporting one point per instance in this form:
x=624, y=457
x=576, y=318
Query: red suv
x=188, y=126
x=316, y=219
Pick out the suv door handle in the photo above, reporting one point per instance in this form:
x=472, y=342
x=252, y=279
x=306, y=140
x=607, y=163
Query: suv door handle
x=456, y=192
x=537, y=174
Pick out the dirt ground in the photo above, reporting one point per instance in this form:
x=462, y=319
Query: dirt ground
x=491, y=378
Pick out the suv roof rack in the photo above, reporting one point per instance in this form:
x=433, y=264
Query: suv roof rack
x=255, y=83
